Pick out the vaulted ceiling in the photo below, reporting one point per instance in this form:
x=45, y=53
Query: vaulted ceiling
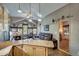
x=45, y=9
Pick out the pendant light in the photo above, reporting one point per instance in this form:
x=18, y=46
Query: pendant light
x=19, y=9
x=30, y=15
x=39, y=19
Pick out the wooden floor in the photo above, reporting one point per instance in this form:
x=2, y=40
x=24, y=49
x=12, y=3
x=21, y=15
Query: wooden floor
x=64, y=44
x=56, y=52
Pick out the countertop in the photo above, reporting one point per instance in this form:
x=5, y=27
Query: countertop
x=43, y=43
x=8, y=45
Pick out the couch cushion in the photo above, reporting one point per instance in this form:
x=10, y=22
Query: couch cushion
x=45, y=36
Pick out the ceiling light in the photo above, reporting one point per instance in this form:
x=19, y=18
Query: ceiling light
x=40, y=20
x=29, y=15
x=39, y=15
x=20, y=11
x=30, y=20
x=19, y=8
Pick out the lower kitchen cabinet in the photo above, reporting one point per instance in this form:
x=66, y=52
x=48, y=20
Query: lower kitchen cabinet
x=35, y=50
x=40, y=51
x=29, y=49
x=18, y=51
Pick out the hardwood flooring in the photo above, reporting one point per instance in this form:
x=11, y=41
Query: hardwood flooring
x=56, y=52
x=64, y=44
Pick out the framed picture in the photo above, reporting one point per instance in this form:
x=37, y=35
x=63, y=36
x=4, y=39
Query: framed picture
x=46, y=27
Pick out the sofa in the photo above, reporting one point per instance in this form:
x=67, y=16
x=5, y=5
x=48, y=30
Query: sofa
x=49, y=37
x=45, y=36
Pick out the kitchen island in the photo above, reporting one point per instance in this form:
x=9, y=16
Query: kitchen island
x=31, y=47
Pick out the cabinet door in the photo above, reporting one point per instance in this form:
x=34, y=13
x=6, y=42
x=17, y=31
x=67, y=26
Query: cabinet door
x=17, y=52
x=29, y=49
x=40, y=51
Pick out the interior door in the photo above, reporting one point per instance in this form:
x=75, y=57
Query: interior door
x=64, y=35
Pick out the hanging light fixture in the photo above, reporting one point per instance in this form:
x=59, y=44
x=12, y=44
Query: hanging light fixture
x=39, y=14
x=30, y=15
x=19, y=9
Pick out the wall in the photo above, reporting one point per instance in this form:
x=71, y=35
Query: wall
x=1, y=23
x=74, y=39
x=4, y=25
x=68, y=10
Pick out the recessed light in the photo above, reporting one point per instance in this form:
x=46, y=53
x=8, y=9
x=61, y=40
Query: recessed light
x=40, y=20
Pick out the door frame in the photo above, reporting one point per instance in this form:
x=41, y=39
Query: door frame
x=69, y=36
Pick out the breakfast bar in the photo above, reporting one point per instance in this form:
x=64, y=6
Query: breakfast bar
x=30, y=47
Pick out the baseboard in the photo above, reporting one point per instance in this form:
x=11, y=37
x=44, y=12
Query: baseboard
x=64, y=52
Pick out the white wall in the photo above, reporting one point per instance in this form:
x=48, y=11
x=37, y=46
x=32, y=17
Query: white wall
x=69, y=10
x=74, y=38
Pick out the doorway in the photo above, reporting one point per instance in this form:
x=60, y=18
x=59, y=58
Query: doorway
x=64, y=35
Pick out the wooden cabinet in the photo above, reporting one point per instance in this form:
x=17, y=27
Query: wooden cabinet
x=40, y=51
x=35, y=50
x=18, y=51
x=29, y=49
